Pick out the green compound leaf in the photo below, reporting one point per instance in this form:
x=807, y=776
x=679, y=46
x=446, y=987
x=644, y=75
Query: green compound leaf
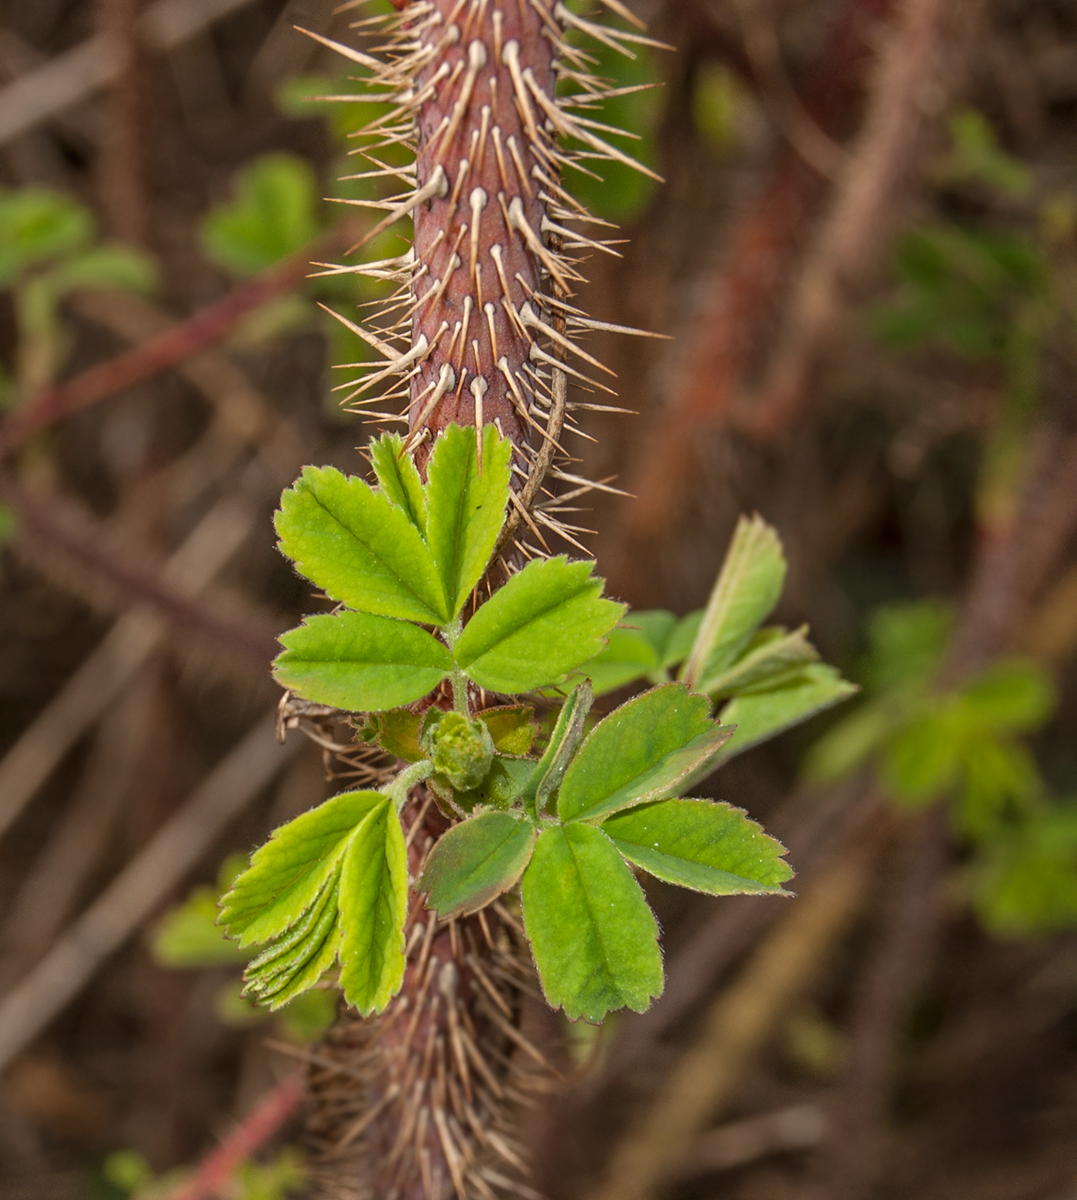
x=646, y=645
x=565, y=737
x=773, y=656
x=594, y=938
x=547, y=620
x=465, y=507
x=288, y=874
x=373, y=905
x=699, y=844
x=359, y=547
x=475, y=862
x=681, y=640
x=628, y=656
x=648, y=749
x=399, y=479
x=763, y=715
x=360, y=662
x=747, y=589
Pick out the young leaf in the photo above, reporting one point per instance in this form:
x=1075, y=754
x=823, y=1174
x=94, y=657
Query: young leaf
x=681, y=640
x=399, y=479
x=37, y=224
x=475, y=862
x=628, y=656
x=359, y=547
x=397, y=733
x=373, y=905
x=748, y=587
x=504, y=785
x=648, y=749
x=699, y=844
x=360, y=662
x=566, y=735
x=289, y=872
x=466, y=507
x=772, y=657
x=297, y=961
x=594, y=938
x=763, y=715
x=548, y=619
x=512, y=727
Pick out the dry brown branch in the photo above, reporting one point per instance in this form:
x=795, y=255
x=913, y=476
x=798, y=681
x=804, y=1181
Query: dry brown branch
x=917, y=74
x=78, y=73
x=114, y=662
x=736, y=1027
x=141, y=886
x=121, y=166
x=87, y=827
x=738, y=305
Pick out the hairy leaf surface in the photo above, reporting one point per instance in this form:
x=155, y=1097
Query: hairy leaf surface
x=465, y=507
x=289, y=872
x=359, y=547
x=763, y=715
x=547, y=620
x=360, y=662
x=648, y=749
x=399, y=478
x=747, y=589
x=475, y=862
x=773, y=656
x=373, y=905
x=565, y=737
x=699, y=844
x=594, y=938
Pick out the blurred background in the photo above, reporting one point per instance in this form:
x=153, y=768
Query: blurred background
x=865, y=254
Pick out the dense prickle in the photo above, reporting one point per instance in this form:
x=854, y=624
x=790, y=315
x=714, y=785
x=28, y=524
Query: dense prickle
x=480, y=240
x=421, y=1104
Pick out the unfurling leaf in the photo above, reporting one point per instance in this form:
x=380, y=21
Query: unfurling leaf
x=648, y=749
x=287, y=874
x=763, y=715
x=373, y=906
x=475, y=862
x=359, y=547
x=360, y=662
x=699, y=844
x=465, y=507
x=773, y=656
x=399, y=478
x=747, y=589
x=566, y=736
x=547, y=620
x=594, y=938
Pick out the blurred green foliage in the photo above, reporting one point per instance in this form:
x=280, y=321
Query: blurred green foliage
x=127, y=1173
x=963, y=747
x=48, y=250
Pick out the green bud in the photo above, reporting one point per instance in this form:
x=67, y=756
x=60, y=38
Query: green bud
x=460, y=749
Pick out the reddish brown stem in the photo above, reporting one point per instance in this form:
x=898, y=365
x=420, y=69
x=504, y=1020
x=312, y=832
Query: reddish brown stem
x=738, y=306
x=159, y=353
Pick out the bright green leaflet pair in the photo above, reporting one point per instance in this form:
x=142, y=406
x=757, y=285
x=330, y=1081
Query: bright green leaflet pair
x=565, y=819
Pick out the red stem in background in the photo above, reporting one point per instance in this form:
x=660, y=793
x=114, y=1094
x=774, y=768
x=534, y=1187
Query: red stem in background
x=157, y=354
x=249, y=1136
